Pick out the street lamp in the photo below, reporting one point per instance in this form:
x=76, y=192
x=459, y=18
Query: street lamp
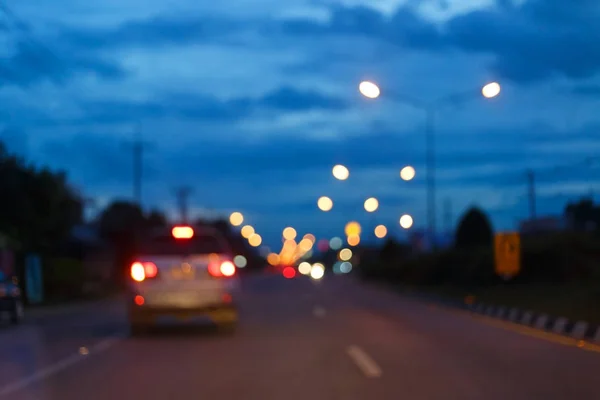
x=406, y=221
x=488, y=91
x=236, y=218
x=371, y=204
x=340, y=172
x=407, y=173
x=325, y=203
x=369, y=89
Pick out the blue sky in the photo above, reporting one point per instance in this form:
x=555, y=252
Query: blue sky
x=252, y=102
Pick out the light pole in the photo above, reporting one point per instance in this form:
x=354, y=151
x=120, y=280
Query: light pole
x=371, y=90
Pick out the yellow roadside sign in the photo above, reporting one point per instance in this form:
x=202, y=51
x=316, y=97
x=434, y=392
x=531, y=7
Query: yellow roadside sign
x=507, y=253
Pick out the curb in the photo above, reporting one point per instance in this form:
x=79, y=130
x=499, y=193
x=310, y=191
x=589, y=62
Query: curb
x=579, y=330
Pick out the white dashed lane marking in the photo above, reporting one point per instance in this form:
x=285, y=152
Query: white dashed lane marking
x=53, y=369
x=364, y=362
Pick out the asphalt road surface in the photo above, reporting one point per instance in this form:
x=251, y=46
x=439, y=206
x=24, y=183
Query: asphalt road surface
x=332, y=340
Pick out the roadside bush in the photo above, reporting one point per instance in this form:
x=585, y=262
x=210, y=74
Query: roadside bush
x=555, y=258
x=64, y=278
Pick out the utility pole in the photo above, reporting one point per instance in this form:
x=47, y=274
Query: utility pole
x=531, y=193
x=430, y=174
x=138, y=150
x=183, y=194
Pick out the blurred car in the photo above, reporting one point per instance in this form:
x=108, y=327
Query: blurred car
x=184, y=273
x=10, y=298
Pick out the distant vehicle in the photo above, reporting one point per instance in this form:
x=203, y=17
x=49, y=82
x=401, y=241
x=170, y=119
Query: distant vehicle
x=185, y=273
x=11, y=301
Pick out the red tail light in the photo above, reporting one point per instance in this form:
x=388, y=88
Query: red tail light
x=222, y=269
x=143, y=270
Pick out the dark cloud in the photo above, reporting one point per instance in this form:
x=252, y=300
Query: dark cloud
x=32, y=63
x=535, y=41
x=290, y=99
x=156, y=31
x=208, y=108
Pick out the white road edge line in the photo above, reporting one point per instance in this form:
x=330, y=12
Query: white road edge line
x=57, y=367
x=364, y=362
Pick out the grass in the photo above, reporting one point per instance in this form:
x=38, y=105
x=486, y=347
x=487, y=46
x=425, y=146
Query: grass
x=574, y=301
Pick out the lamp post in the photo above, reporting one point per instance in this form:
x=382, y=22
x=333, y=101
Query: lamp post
x=370, y=90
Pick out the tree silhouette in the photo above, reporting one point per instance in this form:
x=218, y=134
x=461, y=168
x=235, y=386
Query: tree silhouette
x=583, y=215
x=474, y=230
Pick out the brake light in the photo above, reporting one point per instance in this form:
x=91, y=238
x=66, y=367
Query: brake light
x=227, y=268
x=221, y=269
x=141, y=271
x=182, y=232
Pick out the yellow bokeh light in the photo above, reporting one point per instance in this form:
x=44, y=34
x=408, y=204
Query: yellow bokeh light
x=371, y=204
x=325, y=203
x=255, y=240
x=407, y=173
x=345, y=254
x=247, y=231
x=369, y=89
x=289, y=244
x=289, y=233
x=353, y=240
x=340, y=172
x=491, y=90
x=311, y=237
x=352, y=229
x=380, y=231
x=406, y=221
x=305, y=245
x=273, y=259
x=236, y=218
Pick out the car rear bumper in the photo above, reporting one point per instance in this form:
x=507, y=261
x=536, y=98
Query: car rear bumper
x=217, y=313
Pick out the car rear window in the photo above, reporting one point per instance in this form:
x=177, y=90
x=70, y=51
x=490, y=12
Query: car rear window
x=167, y=245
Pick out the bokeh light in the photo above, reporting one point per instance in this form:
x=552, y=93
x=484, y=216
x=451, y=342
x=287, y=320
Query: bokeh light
x=371, y=204
x=323, y=245
x=407, y=173
x=305, y=245
x=255, y=240
x=236, y=218
x=352, y=229
x=247, y=231
x=304, y=268
x=406, y=221
x=317, y=271
x=369, y=89
x=491, y=90
x=353, y=240
x=311, y=237
x=240, y=261
x=340, y=172
x=289, y=272
x=289, y=233
x=380, y=231
x=345, y=254
x=325, y=203
x=336, y=243
x=345, y=267
x=273, y=259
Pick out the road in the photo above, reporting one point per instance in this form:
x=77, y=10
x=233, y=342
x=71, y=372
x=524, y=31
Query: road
x=330, y=340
